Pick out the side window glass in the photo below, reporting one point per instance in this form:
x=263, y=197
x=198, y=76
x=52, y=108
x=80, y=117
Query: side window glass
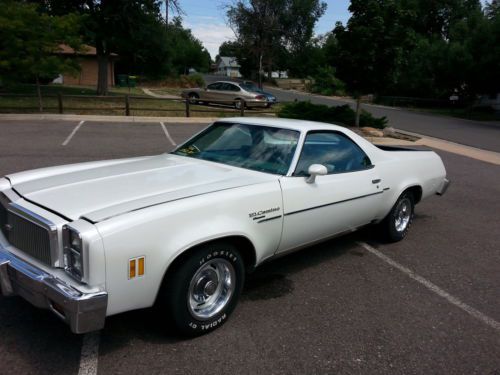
x=337, y=152
x=214, y=86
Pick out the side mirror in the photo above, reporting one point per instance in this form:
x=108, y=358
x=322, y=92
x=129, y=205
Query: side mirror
x=315, y=170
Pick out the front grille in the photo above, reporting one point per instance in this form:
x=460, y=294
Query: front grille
x=27, y=236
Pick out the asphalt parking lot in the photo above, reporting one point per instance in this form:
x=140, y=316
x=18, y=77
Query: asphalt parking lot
x=427, y=305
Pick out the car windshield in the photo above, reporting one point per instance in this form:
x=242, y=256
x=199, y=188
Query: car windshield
x=259, y=148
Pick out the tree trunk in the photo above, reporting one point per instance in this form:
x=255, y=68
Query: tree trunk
x=358, y=110
x=39, y=94
x=102, y=74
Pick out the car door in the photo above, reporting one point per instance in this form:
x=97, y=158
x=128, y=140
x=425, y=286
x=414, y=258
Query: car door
x=344, y=199
x=214, y=91
x=229, y=92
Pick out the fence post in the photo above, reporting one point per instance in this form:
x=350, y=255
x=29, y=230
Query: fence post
x=127, y=106
x=60, y=103
x=242, y=108
x=188, y=114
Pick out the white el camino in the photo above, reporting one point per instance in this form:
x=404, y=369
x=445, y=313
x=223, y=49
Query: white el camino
x=182, y=229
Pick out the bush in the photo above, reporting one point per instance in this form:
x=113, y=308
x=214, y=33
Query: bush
x=325, y=82
x=193, y=80
x=340, y=115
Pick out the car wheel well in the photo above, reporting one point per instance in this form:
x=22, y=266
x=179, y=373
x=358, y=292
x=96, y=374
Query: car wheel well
x=416, y=192
x=243, y=244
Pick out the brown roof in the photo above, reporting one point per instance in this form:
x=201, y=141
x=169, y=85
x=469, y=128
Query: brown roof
x=86, y=50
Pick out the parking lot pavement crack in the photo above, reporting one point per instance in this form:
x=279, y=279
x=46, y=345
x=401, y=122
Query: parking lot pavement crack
x=434, y=288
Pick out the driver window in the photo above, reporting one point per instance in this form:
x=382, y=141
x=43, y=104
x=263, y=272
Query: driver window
x=337, y=152
x=214, y=86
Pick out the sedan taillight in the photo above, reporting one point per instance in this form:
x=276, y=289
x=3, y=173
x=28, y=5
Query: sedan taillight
x=260, y=97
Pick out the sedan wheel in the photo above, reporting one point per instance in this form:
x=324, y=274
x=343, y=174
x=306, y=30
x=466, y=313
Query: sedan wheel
x=201, y=292
x=193, y=98
x=238, y=103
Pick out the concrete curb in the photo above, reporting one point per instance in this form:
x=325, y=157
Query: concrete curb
x=456, y=148
x=56, y=117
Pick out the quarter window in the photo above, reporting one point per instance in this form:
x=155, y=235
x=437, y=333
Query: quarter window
x=337, y=152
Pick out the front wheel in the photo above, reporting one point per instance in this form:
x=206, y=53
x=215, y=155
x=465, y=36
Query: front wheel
x=204, y=290
x=397, y=223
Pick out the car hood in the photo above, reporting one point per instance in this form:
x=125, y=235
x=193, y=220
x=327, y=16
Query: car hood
x=100, y=190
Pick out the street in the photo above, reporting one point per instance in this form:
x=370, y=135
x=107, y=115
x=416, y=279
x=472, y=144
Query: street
x=480, y=134
x=428, y=304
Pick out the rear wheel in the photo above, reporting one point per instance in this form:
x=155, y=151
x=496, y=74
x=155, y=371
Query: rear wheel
x=238, y=103
x=396, y=225
x=193, y=98
x=203, y=291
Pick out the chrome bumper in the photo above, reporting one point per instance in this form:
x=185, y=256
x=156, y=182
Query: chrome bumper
x=84, y=312
x=444, y=186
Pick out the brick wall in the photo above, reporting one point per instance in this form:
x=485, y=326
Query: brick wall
x=88, y=73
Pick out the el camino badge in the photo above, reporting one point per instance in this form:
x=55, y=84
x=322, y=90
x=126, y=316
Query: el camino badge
x=261, y=214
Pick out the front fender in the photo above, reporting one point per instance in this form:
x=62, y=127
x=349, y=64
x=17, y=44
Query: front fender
x=161, y=233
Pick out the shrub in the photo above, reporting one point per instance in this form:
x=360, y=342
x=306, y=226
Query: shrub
x=193, y=80
x=325, y=82
x=340, y=115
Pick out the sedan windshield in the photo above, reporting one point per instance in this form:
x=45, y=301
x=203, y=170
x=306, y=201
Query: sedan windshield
x=260, y=148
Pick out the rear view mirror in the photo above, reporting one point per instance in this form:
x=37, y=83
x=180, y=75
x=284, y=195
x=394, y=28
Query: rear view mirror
x=315, y=170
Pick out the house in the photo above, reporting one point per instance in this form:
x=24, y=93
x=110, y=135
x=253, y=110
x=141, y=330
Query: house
x=88, y=66
x=279, y=74
x=228, y=67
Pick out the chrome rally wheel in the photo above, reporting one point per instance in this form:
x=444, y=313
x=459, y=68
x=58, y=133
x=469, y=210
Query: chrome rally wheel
x=211, y=288
x=396, y=224
x=403, y=214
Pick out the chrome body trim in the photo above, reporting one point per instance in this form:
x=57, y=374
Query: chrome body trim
x=83, y=312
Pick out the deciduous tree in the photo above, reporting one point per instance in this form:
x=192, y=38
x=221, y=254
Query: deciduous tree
x=30, y=40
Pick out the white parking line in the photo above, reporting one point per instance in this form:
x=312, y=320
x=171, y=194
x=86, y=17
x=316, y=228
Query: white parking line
x=90, y=354
x=72, y=133
x=167, y=134
x=434, y=288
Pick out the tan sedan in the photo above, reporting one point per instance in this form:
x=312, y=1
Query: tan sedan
x=232, y=93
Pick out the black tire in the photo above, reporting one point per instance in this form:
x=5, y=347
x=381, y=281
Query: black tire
x=193, y=98
x=238, y=103
x=397, y=223
x=181, y=285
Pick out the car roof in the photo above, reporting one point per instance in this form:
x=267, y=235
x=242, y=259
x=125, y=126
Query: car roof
x=285, y=123
x=233, y=82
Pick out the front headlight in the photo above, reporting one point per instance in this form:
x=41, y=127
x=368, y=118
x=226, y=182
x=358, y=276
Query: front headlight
x=73, y=252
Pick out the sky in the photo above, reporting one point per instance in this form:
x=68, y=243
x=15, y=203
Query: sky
x=207, y=21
